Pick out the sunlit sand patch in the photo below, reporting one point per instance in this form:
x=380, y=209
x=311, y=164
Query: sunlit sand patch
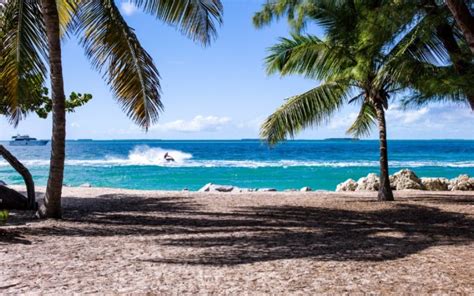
x=392, y=234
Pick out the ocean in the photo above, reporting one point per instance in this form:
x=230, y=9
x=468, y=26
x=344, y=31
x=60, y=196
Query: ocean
x=319, y=164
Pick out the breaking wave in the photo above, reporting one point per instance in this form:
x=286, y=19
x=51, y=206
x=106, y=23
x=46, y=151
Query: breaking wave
x=154, y=156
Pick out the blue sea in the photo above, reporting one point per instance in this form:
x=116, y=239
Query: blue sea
x=320, y=164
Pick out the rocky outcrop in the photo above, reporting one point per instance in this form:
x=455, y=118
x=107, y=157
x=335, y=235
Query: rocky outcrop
x=408, y=180
x=348, y=185
x=369, y=183
x=266, y=190
x=462, y=183
x=306, y=189
x=209, y=187
x=435, y=184
x=205, y=188
x=405, y=179
x=2, y=183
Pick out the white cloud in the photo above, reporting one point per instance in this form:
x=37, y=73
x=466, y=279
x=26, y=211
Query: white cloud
x=128, y=8
x=397, y=114
x=197, y=124
x=342, y=121
x=252, y=124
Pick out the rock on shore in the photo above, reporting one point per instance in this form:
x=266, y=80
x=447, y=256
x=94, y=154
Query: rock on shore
x=405, y=179
x=462, y=183
x=435, y=184
x=209, y=187
x=369, y=183
x=408, y=180
x=348, y=185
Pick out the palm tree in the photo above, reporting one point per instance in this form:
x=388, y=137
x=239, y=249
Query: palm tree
x=434, y=37
x=372, y=50
x=112, y=47
x=347, y=78
x=354, y=66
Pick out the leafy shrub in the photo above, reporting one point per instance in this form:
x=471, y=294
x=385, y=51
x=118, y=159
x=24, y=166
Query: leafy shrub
x=3, y=216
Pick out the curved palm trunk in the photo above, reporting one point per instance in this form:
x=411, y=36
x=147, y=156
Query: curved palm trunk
x=52, y=201
x=23, y=171
x=464, y=19
x=385, y=192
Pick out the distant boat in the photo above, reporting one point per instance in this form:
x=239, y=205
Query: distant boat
x=26, y=141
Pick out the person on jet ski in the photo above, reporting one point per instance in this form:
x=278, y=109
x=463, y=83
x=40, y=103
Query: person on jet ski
x=168, y=157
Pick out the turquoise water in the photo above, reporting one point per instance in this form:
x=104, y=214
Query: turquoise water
x=293, y=164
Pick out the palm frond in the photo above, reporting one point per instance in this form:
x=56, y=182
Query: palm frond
x=295, y=10
x=334, y=16
x=109, y=42
x=66, y=11
x=197, y=19
x=364, y=122
x=309, y=56
x=438, y=84
x=22, y=54
x=311, y=108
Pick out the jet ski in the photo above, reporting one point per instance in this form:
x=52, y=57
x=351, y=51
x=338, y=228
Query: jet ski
x=168, y=157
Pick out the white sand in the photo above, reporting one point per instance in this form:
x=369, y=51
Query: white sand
x=123, y=241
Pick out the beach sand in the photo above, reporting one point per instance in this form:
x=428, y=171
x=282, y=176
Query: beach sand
x=123, y=241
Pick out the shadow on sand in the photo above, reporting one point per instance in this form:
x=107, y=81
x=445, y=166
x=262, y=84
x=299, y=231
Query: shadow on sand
x=265, y=233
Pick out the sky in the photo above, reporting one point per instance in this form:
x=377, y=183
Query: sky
x=218, y=92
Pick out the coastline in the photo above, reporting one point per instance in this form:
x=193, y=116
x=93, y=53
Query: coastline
x=93, y=190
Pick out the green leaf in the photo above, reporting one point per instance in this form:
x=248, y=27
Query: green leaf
x=309, y=109
x=197, y=19
x=364, y=122
x=22, y=55
x=109, y=42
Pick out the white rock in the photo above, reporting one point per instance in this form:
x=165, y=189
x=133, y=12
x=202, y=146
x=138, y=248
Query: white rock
x=405, y=179
x=306, y=189
x=369, y=183
x=266, y=190
x=435, y=184
x=462, y=183
x=205, y=188
x=220, y=188
x=85, y=185
x=348, y=185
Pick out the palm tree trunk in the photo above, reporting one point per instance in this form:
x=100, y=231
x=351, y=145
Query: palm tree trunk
x=52, y=201
x=23, y=171
x=385, y=192
x=464, y=19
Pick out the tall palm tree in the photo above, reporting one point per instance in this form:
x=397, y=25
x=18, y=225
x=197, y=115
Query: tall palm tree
x=435, y=37
x=112, y=47
x=372, y=50
x=354, y=66
x=348, y=77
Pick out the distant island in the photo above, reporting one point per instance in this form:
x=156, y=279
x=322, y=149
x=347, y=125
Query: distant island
x=342, y=139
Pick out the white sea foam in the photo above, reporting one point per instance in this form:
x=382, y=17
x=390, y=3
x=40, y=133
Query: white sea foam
x=154, y=156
